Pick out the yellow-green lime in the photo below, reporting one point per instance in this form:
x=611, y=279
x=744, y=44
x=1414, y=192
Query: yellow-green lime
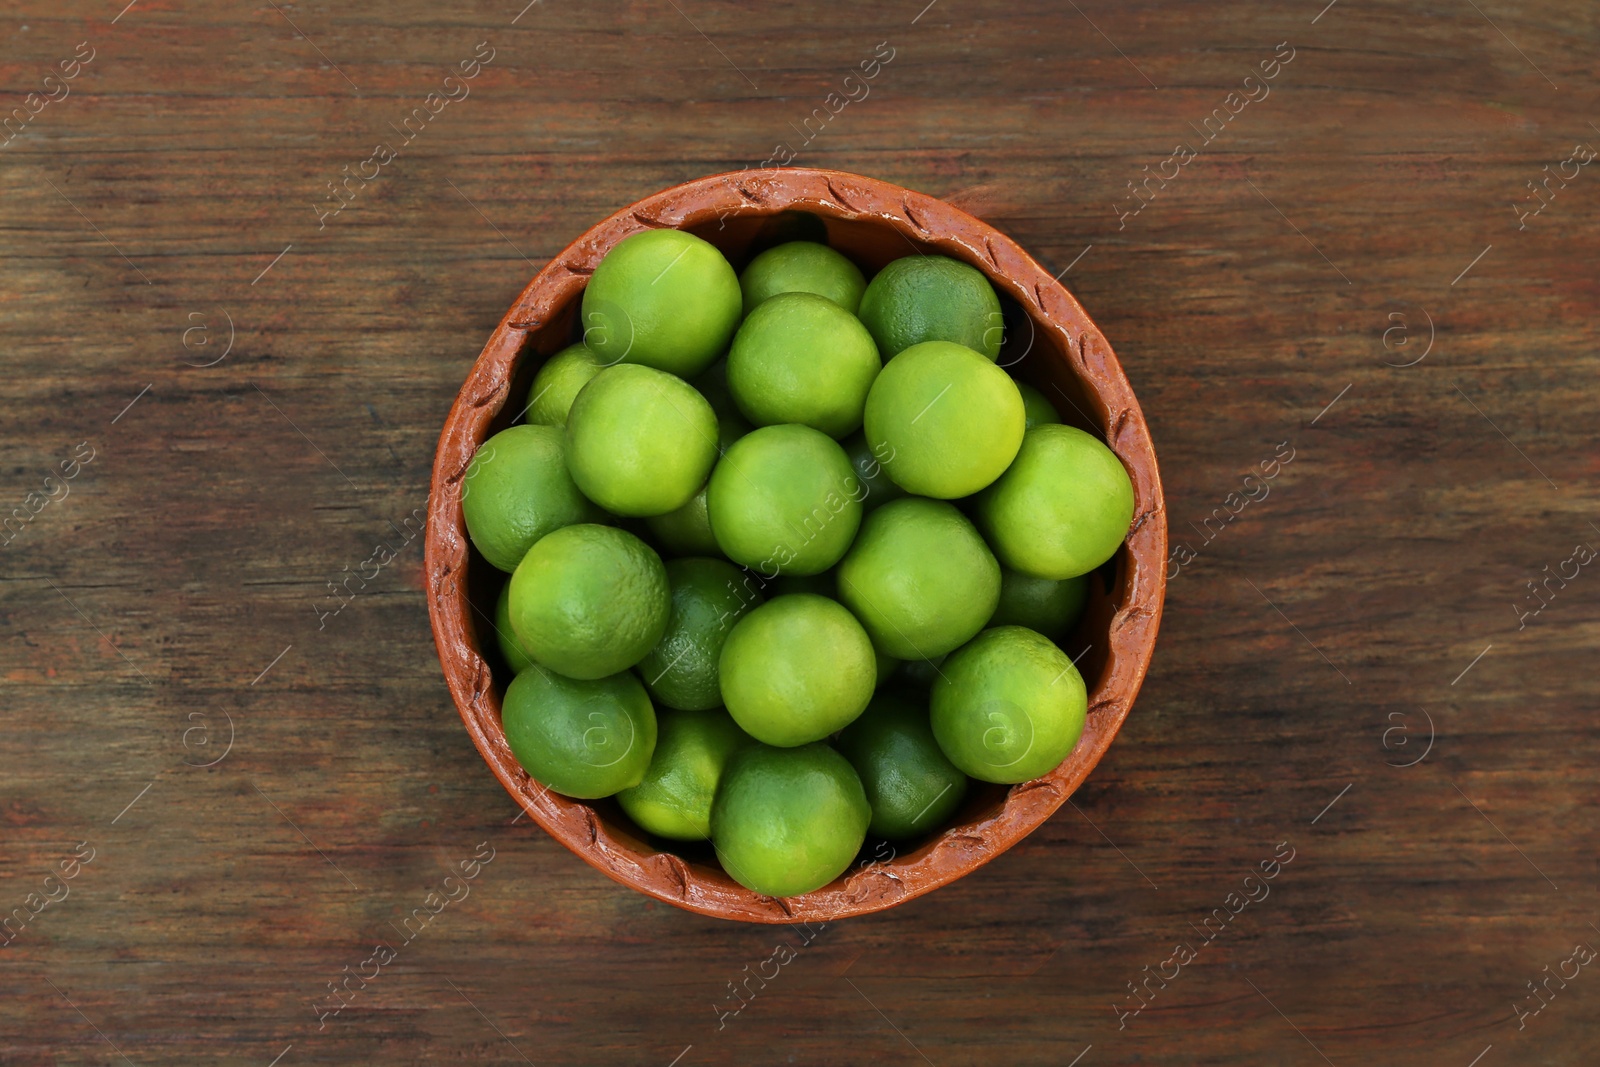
x=932, y=298
x=802, y=267
x=663, y=298
x=796, y=669
x=1008, y=706
x=801, y=358
x=640, y=441
x=558, y=382
x=516, y=490
x=786, y=821
x=909, y=781
x=945, y=421
x=1037, y=406
x=708, y=597
x=516, y=657
x=692, y=750
x=588, y=601
x=920, y=578
x=1051, y=607
x=784, y=500
x=1063, y=507
x=584, y=739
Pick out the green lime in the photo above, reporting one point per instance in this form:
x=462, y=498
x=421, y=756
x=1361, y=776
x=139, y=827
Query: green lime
x=784, y=500
x=558, y=382
x=511, y=649
x=516, y=490
x=692, y=749
x=640, y=441
x=945, y=421
x=796, y=669
x=584, y=739
x=876, y=485
x=1008, y=706
x=920, y=578
x=910, y=783
x=1052, y=608
x=663, y=298
x=1063, y=507
x=1036, y=405
x=588, y=601
x=932, y=298
x=802, y=267
x=786, y=821
x=708, y=597
x=687, y=531
x=802, y=358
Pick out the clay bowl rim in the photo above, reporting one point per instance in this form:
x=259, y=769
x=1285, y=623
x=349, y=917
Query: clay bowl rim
x=930, y=224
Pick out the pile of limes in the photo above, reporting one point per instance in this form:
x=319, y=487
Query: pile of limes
x=810, y=520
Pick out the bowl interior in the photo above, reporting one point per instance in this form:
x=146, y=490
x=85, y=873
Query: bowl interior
x=1040, y=348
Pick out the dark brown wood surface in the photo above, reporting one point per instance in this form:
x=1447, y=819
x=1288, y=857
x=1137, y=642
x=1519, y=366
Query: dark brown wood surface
x=1350, y=670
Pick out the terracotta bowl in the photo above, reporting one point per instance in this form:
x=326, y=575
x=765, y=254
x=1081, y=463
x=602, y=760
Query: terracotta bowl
x=1050, y=342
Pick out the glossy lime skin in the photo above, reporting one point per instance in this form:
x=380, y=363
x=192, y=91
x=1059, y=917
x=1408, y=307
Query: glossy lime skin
x=786, y=821
x=948, y=420
x=909, y=781
x=796, y=669
x=876, y=485
x=920, y=578
x=692, y=750
x=932, y=298
x=1037, y=406
x=1008, y=706
x=664, y=299
x=1052, y=608
x=784, y=500
x=516, y=657
x=1062, y=508
x=708, y=597
x=802, y=267
x=558, y=383
x=588, y=601
x=687, y=531
x=516, y=490
x=640, y=441
x=802, y=358
x=583, y=739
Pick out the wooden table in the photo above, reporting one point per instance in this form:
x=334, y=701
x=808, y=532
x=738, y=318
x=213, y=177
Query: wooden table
x=220, y=396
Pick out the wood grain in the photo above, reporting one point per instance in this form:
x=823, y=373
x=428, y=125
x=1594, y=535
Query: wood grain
x=192, y=552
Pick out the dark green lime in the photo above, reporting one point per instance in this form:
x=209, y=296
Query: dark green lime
x=584, y=739
x=1051, y=607
x=708, y=597
x=910, y=783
